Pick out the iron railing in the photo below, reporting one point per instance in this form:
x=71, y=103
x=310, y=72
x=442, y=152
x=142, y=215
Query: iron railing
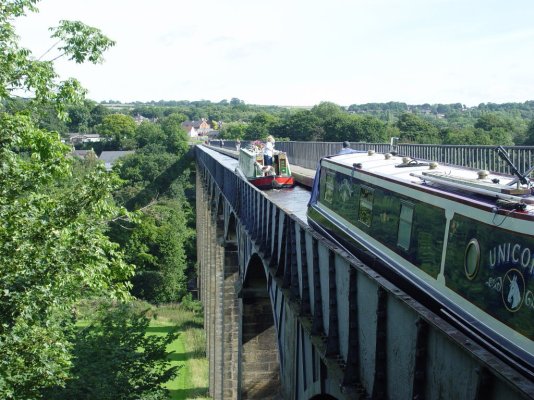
x=307, y=154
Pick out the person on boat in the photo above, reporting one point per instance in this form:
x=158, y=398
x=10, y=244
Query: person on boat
x=346, y=149
x=268, y=151
x=238, y=144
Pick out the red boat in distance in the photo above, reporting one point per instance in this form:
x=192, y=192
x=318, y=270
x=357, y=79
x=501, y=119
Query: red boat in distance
x=274, y=176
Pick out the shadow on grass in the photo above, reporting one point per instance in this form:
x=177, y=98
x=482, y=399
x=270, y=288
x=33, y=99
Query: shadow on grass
x=161, y=329
x=191, y=325
x=190, y=355
x=184, y=394
x=178, y=327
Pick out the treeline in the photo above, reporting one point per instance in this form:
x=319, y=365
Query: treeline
x=411, y=124
x=485, y=124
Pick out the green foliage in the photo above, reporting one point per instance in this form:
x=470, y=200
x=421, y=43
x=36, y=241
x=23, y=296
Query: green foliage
x=373, y=122
x=161, y=243
x=81, y=42
x=414, y=129
x=489, y=121
x=157, y=245
x=529, y=139
x=176, y=135
x=260, y=126
x=120, y=129
x=234, y=130
x=148, y=132
x=326, y=110
x=54, y=251
x=116, y=359
x=54, y=247
x=464, y=136
x=150, y=173
x=301, y=125
x=84, y=117
x=19, y=70
x=354, y=128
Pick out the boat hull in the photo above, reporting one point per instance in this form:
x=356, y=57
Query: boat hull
x=273, y=182
x=460, y=257
x=276, y=176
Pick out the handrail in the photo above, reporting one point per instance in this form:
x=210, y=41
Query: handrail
x=307, y=154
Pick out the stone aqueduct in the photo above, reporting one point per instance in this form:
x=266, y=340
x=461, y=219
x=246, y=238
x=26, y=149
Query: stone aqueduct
x=288, y=315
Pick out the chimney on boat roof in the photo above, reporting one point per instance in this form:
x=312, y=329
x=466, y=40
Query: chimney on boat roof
x=482, y=174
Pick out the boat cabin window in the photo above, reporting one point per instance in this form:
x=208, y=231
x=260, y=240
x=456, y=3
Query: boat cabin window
x=472, y=259
x=405, y=225
x=330, y=181
x=366, y=205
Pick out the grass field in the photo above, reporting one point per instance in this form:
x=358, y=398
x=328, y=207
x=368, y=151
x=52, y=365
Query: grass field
x=189, y=350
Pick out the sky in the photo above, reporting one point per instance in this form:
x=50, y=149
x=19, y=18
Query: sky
x=300, y=52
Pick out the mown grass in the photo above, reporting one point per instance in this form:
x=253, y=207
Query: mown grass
x=188, y=351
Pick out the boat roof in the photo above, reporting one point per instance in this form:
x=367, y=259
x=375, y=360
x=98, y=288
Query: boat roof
x=477, y=184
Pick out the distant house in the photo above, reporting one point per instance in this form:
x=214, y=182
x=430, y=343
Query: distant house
x=110, y=157
x=202, y=127
x=139, y=119
x=82, y=153
x=79, y=138
x=191, y=132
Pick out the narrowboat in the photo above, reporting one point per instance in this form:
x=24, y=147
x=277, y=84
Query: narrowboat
x=460, y=241
x=276, y=176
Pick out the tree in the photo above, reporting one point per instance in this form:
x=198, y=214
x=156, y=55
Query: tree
x=148, y=132
x=302, y=125
x=529, y=141
x=120, y=129
x=116, y=359
x=488, y=121
x=466, y=136
x=355, y=128
x=177, y=140
x=234, y=130
x=260, y=126
x=326, y=110
x=54, y=248
x=414, y=129
x=156, y=245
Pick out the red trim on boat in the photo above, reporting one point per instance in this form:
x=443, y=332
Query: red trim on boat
x=266, y=182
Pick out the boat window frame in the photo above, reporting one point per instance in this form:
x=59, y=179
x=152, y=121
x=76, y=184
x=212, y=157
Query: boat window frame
x=364, y=203
x=405, y=244
x=472, y=249
x=329, y=186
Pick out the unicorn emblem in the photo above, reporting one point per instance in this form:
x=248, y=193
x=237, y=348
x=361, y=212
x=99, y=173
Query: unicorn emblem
x=514, y=294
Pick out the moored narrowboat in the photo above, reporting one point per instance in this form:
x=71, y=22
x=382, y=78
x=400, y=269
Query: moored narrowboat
x=275, y=176
x=460, y=241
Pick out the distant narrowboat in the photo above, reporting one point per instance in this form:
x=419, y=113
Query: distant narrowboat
x=275, y=176
x=460, y=241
